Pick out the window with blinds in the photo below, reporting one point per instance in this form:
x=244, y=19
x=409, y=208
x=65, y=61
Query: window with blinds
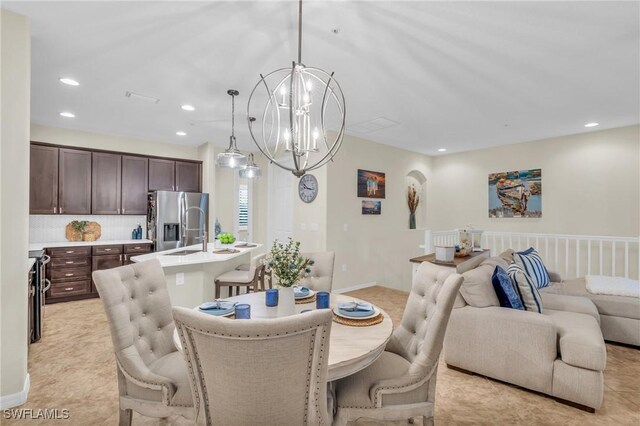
x=243, y=207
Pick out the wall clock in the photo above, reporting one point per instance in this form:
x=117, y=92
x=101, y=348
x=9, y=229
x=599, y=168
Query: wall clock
x=308, y=188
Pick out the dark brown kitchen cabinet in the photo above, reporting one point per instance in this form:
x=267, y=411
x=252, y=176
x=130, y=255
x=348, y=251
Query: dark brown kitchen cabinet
x=74, y=179
x=106, y=174
x=161, y=175
x=135, y=184
x=43, y=180
x=187, y=176
x=106, y=261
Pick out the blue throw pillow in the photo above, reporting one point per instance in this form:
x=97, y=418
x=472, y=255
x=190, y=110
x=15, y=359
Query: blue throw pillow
x=507, y=293
x=531, y=262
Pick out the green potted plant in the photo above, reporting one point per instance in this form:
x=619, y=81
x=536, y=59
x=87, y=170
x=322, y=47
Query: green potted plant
x=287, y=264
x=79, y=227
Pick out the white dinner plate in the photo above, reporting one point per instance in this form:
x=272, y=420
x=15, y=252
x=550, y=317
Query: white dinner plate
x=336, y=311
x=306, y=296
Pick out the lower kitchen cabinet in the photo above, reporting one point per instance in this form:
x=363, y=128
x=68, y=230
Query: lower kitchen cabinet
x=70, y=268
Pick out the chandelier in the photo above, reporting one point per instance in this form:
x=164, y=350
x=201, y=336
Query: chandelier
x=291, y=110
x=232, y=157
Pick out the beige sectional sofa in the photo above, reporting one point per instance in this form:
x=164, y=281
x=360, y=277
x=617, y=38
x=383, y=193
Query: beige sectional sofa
x=560, y=352
x=619, y=315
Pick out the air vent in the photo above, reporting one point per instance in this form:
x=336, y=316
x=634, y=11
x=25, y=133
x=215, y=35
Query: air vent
x=372, y=125
x=139, y=97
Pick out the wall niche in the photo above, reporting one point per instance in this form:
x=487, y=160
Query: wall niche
x=415, y=179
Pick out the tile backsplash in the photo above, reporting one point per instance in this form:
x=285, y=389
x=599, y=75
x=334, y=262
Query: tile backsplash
x=50, y=228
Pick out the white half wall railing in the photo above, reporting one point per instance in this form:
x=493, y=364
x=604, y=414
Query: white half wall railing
x=572, y=256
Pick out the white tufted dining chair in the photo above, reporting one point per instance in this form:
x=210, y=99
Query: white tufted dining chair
x=401, y=383
x=152, y=374
x=257, y=372
x=321, y=277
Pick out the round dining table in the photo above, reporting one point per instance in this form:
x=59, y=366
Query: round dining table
x=351, y=348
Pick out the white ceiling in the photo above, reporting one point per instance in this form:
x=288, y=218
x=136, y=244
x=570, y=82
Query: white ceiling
x=459, y=75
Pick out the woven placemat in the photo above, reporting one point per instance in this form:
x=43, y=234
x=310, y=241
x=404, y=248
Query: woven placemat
x=309, y=299
x=226, y=251
x=359, y=322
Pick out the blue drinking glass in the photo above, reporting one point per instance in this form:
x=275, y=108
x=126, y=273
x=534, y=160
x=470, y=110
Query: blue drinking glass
x=271, y=297
x=323, y=300
x=243, y=311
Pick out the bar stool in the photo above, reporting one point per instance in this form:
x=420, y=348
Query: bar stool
x=253, y=280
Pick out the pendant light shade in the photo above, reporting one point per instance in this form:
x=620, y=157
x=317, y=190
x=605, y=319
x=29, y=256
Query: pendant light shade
x=291, y=112
x=251, y=170
x=232, y=157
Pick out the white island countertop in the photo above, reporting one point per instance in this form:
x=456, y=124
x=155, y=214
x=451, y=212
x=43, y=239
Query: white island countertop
x=167, y=260
x=31, y=263
x=40, y=246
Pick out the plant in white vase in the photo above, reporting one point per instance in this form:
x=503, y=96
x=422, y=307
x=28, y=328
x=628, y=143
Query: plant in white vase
x=287, y=264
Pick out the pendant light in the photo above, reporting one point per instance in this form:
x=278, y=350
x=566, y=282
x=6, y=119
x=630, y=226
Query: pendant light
x=251, y=170
x=294, y=108
x=232, y=157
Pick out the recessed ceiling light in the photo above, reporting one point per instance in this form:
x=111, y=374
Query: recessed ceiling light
x=188, y=107
x=442, y=149
x=591, y=124
x=67, y=114
x=69, y=81
x=181, y=133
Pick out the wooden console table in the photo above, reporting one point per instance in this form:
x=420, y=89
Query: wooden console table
x=460, y=263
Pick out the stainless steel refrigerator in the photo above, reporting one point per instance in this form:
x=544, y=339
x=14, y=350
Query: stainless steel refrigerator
x=177, y=219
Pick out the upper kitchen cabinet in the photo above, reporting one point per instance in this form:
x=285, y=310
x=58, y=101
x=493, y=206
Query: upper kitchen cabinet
x=74, y=174
x=106, y=172
x=161, y=175
x=135, y=184
x=187, y=176
x=43, y=180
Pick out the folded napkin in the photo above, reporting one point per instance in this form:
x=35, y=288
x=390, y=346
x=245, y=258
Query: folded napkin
x=355, y=307
x=300, y=291
x=216, y=305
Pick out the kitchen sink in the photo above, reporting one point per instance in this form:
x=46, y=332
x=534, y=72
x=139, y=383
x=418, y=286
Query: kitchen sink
x=183, y=253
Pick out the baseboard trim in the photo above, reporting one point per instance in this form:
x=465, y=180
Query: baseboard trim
x=355, y=287
x=15, y=399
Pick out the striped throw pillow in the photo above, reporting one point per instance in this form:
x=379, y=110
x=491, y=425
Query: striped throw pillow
x=528, y=290
x=531, y=262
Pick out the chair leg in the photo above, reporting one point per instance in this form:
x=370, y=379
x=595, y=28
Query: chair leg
x=125, y=417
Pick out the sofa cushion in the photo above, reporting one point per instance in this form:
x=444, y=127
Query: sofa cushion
x=580, y=341
x=507, y=256
x=617, y=306
x=477, y=288
x=562, y=302
x=528, y=290
x=531, y=262
x=506, y=291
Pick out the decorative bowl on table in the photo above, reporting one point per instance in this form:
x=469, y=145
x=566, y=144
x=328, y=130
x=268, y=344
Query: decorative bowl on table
x=463, y=252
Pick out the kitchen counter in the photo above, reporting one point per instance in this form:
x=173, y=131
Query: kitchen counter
x=40, y=246
x=167, y=260
x=31, y=263
x=191, y=278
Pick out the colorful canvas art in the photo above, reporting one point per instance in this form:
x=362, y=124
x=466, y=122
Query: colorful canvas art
x=371, y=207
x=371, y=184
x=515, y=194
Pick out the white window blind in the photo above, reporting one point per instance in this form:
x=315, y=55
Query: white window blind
x=243, y=207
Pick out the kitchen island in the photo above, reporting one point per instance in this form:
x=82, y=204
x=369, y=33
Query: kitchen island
x=191, y=272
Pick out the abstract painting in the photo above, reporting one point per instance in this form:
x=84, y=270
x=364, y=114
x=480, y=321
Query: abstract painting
x=515, y=194
x=371, y=207
x=370, y=184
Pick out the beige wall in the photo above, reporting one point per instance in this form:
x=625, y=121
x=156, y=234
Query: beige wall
x=590, y=184
x=61, y=136
x=373, y=248
x=15, y=82
x=310, y=219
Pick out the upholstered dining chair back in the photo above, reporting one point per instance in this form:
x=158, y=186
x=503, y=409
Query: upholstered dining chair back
x=420, y=336
x=152, y=375
x=321, y=277
x=258, y=371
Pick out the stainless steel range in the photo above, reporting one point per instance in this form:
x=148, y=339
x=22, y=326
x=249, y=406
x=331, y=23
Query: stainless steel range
x=39, y=284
